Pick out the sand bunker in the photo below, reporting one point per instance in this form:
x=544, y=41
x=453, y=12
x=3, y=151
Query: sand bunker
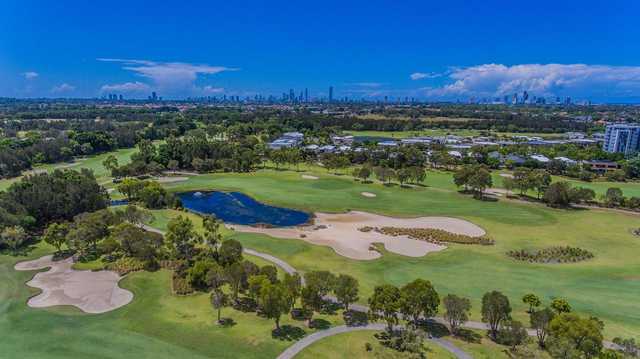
x=368, y=194
x=170, y=179
x=507, y=175
x=310, y=177
x=91, y=292
x=340, y=232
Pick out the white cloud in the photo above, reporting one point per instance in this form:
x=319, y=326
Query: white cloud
x=170, y=77
x=65, y=87
x=212, y=90
x=578, y=80
x=423, y=75
x=30, y=75
x=127, y=87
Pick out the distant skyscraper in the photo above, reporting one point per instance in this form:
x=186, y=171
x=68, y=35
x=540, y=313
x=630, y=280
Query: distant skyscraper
x=330, y=93
x=121, y=98
x=525, y=97
x=154, y=96
x=306, y=95
x=292, y=96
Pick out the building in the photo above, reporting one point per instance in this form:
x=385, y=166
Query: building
x=330, y=93
x=622, y=138
x=601, y=166
x=287, y=140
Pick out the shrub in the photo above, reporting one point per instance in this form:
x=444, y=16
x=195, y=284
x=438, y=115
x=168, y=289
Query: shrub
x=433, y=235
x=181, y=286
x=552, y=255
x=126, y=265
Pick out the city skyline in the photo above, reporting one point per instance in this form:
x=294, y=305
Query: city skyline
x=419, y=52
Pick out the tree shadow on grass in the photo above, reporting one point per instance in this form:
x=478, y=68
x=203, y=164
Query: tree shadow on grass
x=226, y=322
x=354, y=318
x=434, y=328
x=320, y=324
x=288, y=332
x=468, y=335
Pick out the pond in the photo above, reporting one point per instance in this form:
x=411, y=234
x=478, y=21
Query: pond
x=238, y=208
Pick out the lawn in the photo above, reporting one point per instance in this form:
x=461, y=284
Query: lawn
x=93, y=163
x=156, y=324
x=352, y=346
x=606, y=286
x=444, y=132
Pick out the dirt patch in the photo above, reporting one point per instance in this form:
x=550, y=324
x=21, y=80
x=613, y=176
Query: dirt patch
x=368, y=194
x=170, y=179
x=309, y=177
x=91, y=292
x=341, y=232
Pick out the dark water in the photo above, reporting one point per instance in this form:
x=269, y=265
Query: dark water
x=118, y=202
x=238, y=208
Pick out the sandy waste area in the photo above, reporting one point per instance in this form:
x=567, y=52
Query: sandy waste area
x=89, y=291
x=340, y=232
x=310, y=177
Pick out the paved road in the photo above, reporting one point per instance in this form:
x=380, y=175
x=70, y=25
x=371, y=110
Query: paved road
x=301, y=344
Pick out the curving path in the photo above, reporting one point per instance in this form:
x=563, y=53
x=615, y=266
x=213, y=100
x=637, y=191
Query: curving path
x=363, y=308
x=300, y=345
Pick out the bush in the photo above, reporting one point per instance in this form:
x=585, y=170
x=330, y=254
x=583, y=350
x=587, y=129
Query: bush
x=432, y=235
x=126, y=265
x=180, y=286
x=552, y=255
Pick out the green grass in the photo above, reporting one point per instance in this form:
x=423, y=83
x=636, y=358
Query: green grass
x=487, y=349
x=444, y=132
x=156, y=324
x=352, y=346
x=93, y=163
x=606, y=286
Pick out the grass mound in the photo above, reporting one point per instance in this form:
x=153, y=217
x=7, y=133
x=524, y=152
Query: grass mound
x=552, y=255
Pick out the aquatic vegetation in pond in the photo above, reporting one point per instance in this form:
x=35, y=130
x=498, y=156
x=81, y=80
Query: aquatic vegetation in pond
x=238, y=208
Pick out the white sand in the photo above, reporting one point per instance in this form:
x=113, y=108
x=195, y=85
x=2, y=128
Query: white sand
x=508, y=175
x=368, y=194
x=497, y=191
x=91, y=292
x=310, y=177
x=340, y=232
x=170, y=179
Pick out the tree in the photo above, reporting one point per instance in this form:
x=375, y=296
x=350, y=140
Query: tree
x=385, y=304
x=197, y=275
x=274, y=301
x=557, y=194
x=130, y=188
x=218, y=300
x=271, y=272
x=56, y=235
x=135, y=215
x=456, y=311
x=173, y=165
x=582, y=335
x=181, y=237
x=13, y=237
x=88, y=229
x=614, y=197
x=110, y=163
x=495, y=310
x=255, y=283
x=508, y=183
x=212, y=234
x=419, y=299
x=560, y=305
x=235, y=273
x=512, y=333
x=363, y=173
x=480, y=181
x=230, y=252
x=346, y=290
x=532, y=300
x=293, y=284
x=540, y=321
x=462, y=175
x=403, y=175
x=540, y=180
x=522, y=179
x=418, y=174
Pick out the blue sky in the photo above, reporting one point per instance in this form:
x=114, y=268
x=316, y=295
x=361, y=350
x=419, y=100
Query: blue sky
x=425, y=49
